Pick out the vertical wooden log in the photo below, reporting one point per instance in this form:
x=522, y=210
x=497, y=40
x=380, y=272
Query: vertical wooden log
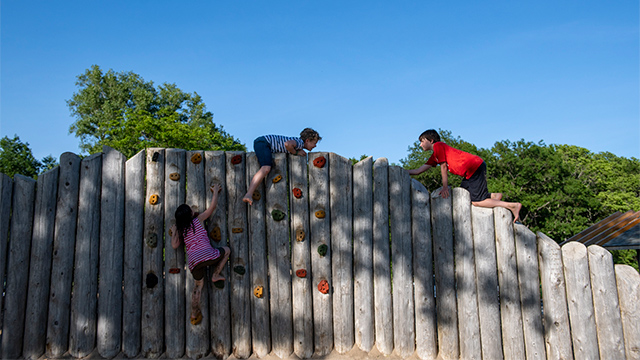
x=220, y=318
x=111, y=253
x=341, y=197
x=512, y=335
x=606, y=304
x=628, y=283
x=150, y=248
x=239, y=244
x=301, y=258
x=174, y=297
x=197, y=344
x=468, y=318
x=85, y=275
x=580, y=301
x=133, y=244
x=425, y=302
x=529, y=284
x=321, y=265
x=64, y=243
x=260, y=324
x=40, y=264
x=382, y=258
x=557, y=335
x=487, y=282
x=6, y=189
x=441, y=218
x=279, y=259
x=24, y=193
x=363, y=253
x=402, y=256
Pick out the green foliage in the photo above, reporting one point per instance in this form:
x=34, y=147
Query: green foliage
x=627, y=257
x=355, y=161
x=123, y=111
x=16, y=158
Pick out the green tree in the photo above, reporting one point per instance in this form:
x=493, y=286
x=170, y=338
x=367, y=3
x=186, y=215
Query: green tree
x=123, y=111
x=16, y=158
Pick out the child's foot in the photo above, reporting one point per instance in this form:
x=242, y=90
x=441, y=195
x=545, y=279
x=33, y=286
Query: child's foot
x=196, y=317
x=516, y=212
x=215, y=278
x=247, y=198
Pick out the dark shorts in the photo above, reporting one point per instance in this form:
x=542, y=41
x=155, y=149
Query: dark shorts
x=263, y=151
x=477, y=184
x=200, y=270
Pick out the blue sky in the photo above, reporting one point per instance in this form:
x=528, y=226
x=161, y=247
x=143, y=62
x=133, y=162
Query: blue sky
x=370, y=76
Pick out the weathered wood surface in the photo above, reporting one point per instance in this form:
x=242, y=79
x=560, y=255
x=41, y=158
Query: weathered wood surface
x=402, y=256
x=321, y=265
x=279, y=259
x=40, y=264
x=6, y=190
x=382, y=259
x=425, y=304
x=580, y=301
x=447, y=318
x=239, y=244
x=301, y=258
x=260, y=315
x=363, y=253
x=554, y=297
x=341, y=202
x=150, y=244
x=487, y=282
x=84, y=299
x=605, y=303
x=133, y=243
x=111, y=253
x=197, y=342
x=220, y=316
x=23, y=204
x=64, y=242
x=174, y=297
x=510, y=310
x=628, y=283
x=468, y=318
x=529, y=283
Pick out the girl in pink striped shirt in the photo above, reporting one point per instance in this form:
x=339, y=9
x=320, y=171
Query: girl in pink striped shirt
x=189, y=229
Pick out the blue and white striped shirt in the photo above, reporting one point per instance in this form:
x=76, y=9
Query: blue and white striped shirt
x=276, y=143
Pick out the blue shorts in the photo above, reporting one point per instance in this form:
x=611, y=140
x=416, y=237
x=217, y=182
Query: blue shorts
x=477, y=184
x=263, y=151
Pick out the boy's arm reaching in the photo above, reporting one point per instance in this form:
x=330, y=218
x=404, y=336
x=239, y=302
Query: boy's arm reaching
x=444, y=169
x=419, y=170
x=214, y=203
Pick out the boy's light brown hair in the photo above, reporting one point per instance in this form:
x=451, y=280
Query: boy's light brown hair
x=309, y=134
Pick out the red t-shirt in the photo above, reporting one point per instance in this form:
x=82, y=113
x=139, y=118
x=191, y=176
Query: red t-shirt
x=459, y=162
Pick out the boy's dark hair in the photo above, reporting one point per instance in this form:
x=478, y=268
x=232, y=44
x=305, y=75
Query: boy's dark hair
x=309, y=134
x=430, y=135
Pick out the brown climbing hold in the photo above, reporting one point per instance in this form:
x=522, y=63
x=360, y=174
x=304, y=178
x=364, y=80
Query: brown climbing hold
x=236, y=230
x=300, y=235
x=196, y=158
x=153, y=199
x=174, y=271
x=256, y=196
x=297, y=193
x=236, y=159
x=277, y=178
x=320, y=214
x=174, y=176
x=301, y=273
x=216, y=234
x=319, y=161
x=258, y=291
x=323, y=287
x=197, y=319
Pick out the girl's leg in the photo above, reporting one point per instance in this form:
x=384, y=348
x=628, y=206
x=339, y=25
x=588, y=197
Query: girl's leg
x=216, y=272
x=255, y=181
x=196, y=314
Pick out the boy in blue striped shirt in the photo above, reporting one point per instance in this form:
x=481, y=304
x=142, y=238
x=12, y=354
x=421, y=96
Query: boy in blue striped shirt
x=264, y=146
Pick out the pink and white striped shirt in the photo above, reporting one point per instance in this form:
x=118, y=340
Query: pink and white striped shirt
x=198, y=246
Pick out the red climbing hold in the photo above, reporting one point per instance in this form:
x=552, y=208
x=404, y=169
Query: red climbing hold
x=174, y=271
x=323, y=287
x=301, y=273
x=297, y=193
x=236, y=159
x=319, y=161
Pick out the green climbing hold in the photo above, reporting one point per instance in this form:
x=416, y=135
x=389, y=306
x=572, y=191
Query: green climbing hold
x=277, y=215
x=322, y=249
x=239, y=269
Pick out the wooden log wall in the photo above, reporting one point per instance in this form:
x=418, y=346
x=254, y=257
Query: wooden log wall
x=87, y=266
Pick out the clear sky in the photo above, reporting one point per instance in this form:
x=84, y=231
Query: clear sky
x=370, y=76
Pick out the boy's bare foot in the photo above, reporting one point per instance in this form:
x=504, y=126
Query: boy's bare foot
x=516, y=211
x=215, y=278
x=248, y=199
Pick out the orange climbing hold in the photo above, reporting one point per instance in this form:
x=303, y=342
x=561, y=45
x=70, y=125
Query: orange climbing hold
x=258, y=291
x=301, y=273
x=320, y=214
x=153, y=199
x=236, y=230
x=276, y=179
x=297, y=193
x=319, y=161
x=236, y=159
x=323, y=287
x=216, y=234
x=196, y=158
x=174, y=176
x=300, y=235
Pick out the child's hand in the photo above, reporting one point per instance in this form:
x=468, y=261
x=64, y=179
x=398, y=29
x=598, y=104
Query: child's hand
x=444, y=192
x=216, y=188
x=301, y=153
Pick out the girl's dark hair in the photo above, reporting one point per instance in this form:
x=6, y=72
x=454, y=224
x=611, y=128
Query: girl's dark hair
x=430, y=135
x=184, y=219
x=310, y=134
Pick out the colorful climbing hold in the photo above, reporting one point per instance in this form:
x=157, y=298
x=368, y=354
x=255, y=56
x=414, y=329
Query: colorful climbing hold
x=153, y=199
x=323, y=287
x=258, y=291
x=197, y=319
x=236, y=230
x=152, y=240
x=196, y=158
x=237, y=159
x=276, y=179
x=174, y=271
x=299, y=235
x=297, y=193
x=322, y=249
x=174, y=176
x=277, y=215
x=256, y=196
x=320, y=214
x=239, y=269
x=319, y=161
x=301, y=273
x=216, y=234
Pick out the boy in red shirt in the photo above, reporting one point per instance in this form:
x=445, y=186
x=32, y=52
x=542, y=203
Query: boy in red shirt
x=471, y=167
